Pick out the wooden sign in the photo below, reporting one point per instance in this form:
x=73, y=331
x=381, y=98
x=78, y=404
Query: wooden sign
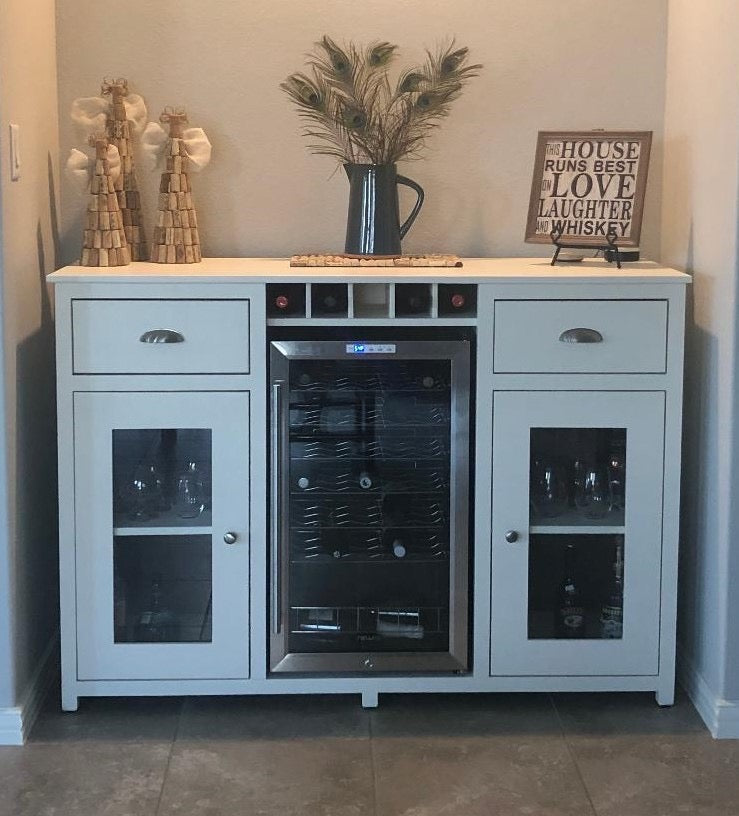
x=589, y=187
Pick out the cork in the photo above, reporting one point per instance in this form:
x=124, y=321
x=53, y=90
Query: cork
x=175, y=234
x=119, y=133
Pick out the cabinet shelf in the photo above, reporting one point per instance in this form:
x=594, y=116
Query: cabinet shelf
x=577, y=529
x=162, y=531
x=574, y=523
x=165, y=524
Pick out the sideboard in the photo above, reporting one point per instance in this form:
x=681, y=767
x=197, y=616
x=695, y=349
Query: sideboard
x=530, y=543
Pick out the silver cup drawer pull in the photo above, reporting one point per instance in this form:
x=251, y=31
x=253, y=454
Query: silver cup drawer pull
x=162, y=336
x=581, y=336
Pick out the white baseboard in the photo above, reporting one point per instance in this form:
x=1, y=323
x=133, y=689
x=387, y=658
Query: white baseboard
x=16, y=722
x=720, y=716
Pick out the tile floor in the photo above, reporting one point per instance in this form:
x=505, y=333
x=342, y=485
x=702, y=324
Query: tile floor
x=420, y=755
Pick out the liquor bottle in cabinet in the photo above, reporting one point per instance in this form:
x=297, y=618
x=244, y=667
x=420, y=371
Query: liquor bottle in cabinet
x=156, y=622
x=612, y=610
x=571, y=612
x=119, y=605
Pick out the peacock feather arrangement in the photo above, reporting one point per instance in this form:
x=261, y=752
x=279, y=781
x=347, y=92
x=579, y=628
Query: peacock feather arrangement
x=354, y=113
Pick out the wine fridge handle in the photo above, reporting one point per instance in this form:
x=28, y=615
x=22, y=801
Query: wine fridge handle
x=275, y=508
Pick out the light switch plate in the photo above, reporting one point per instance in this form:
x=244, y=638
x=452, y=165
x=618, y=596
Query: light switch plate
x=15, y=152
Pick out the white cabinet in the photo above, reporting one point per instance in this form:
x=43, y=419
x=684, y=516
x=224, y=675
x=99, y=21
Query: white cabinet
x=577, y=497
x=162, y=535
x=167, y=546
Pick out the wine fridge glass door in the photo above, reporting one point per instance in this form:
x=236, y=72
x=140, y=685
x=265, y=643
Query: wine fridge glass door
x=369, y=513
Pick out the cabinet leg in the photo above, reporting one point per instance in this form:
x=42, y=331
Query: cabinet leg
x=70, y=701
x=666, y=695
x=369, y=699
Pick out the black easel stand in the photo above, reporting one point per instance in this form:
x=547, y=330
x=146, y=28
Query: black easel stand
x=556, y=236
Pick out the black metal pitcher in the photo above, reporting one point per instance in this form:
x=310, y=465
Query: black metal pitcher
x=373, y=224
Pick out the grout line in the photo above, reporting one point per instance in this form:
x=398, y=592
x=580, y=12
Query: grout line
x=372, y=763
x=169, y=755
x=571, y=753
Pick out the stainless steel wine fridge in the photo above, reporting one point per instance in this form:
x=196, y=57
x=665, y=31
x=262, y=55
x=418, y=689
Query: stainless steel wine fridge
x=369, y=567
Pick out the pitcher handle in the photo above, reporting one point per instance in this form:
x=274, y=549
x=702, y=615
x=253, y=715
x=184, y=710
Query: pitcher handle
x=408, y=223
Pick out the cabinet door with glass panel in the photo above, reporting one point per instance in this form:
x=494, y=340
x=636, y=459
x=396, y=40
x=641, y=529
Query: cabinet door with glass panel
x=162, y=534
x=576, y=532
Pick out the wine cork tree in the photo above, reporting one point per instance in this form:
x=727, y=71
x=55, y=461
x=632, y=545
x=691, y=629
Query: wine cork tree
x=119, y=130
x=176, y=238
x=104, y=239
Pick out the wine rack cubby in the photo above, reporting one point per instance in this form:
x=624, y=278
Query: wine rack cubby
x=298, y=303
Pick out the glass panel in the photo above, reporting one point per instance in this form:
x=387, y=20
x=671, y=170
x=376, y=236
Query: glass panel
x=577, y=497
x=162, y=589
x=577, y=477
x=576, y=586
x=162, y=478
x=369, y=445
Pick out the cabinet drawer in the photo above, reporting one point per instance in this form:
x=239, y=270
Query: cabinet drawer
x=205, y=336
x=580, y=336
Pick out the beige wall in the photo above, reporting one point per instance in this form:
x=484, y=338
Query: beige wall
x=573, y=64
x=28, y=96
x=699, y=234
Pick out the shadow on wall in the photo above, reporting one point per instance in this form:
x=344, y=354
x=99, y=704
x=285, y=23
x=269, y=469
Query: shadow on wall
x=700, y=447
x=53, y=221
x=731, y=689
x=36, y=526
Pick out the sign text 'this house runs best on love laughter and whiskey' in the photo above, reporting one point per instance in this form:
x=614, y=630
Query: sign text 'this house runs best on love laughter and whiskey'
x=587, y=186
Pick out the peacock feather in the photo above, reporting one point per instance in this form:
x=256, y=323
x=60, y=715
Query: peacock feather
x=352, y=112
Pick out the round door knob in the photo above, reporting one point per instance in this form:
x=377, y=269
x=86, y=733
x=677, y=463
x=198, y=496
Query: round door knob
x=511, y=536
x=230, y=538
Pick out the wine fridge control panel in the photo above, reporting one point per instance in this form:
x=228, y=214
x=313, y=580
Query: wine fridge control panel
x=370, y=348
x=301, y=302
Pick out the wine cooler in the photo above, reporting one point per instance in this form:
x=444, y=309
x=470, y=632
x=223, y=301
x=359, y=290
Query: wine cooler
x=370, y=451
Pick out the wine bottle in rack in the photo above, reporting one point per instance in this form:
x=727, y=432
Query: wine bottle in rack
x=366, y=480
x=329, y=299
x=285, y=300
x=413, y=299
x=457, y=299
